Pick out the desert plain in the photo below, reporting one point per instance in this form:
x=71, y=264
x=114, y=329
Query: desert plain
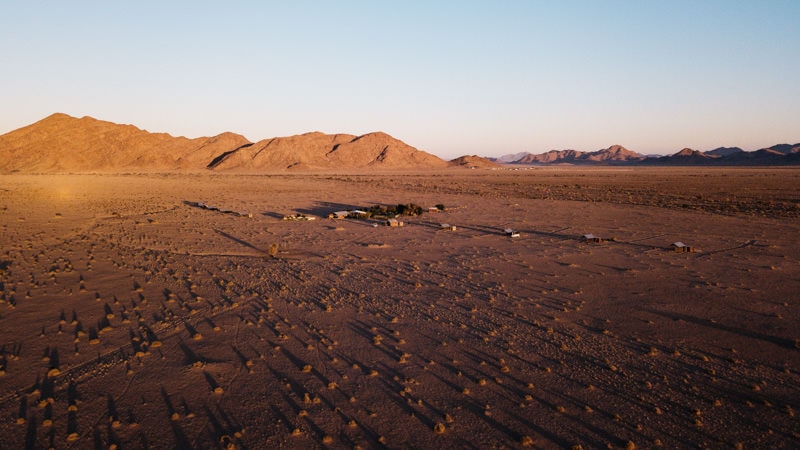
x=130, y=318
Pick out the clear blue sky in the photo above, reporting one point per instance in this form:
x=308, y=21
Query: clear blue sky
x=449, y=77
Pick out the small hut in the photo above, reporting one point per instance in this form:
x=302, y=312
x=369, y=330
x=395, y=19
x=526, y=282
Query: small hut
x=680, y=247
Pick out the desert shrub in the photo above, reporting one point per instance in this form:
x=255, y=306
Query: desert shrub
x=378, y=210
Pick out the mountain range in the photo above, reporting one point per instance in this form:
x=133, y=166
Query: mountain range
x=61, y=143
x=781, y=154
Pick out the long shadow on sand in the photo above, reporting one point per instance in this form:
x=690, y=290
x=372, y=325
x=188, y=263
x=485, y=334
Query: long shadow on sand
x=785, y=343
x=322, y=209
x=273, y=214
x=239, y=241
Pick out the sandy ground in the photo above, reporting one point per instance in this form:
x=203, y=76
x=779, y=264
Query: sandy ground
x=129, y=318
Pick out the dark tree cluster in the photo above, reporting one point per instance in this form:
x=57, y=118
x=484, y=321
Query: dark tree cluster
x=409, y=209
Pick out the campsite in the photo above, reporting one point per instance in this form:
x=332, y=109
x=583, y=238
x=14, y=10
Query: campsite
x=135, y=315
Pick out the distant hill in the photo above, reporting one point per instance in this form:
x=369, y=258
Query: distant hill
x=785, y=149
x=724, y=151
x=61, y=143
x=765, y=157
x=611, y=155
x=319, y=151
x=687, y=157
x=509, y=158
x=473, y=162
x=781, y=154
x=731, y=157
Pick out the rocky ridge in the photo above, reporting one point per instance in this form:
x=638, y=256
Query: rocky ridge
x=781, y=154
x=60, y=143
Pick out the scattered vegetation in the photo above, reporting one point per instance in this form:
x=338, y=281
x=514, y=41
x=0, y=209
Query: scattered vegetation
x=388, y=212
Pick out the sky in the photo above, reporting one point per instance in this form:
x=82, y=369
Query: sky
x=449, y=77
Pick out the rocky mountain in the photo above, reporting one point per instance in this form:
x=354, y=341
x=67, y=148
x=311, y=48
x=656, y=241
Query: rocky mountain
x=61, y=143
x=615, y=153
x=686, y=156
x=611, y=155
x=785, y=149
x=724, y=151
x=781, y=154
x=763, y=157
x=514, y=157
x=319, y=151
x=552, y=156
